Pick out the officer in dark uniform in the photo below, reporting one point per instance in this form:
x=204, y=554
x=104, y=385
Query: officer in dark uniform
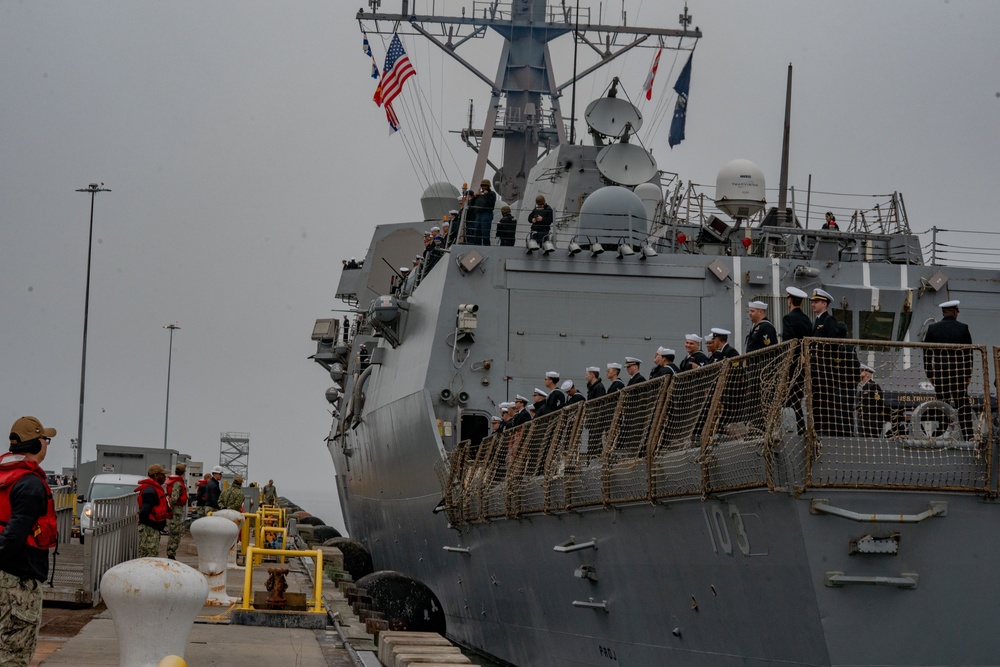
x=796, y=325
x=595, y=388
x=660, y=363
x=722, y=348
x=695, y=357
x=632, y=368
x=763, y=334
x=522, y=416
x=832, y=406
x=950, y=371
x=872, y=412
x=614, y=369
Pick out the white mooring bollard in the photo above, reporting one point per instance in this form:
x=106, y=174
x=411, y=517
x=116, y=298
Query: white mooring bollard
x=152, y=590
x=237, y=518
x=213, y=535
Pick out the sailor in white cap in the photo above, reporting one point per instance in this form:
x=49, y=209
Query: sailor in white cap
x=950, y=371
x=720, y=347
x=795, y=325
x=595, y=388
x=556, y=398
x=539, y=396
x=614, y=369
x=495, y=423
x=521, y=415
x=663, y=363
x=826, y=325
x=573, y=394
x=632, y=368
x=872, y=412
x=695, y=357
x=762, y=334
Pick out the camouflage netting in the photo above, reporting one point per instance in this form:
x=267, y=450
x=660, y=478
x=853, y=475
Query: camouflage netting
x=816, y=413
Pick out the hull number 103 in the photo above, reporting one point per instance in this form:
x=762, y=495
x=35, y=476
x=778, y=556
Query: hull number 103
x=726, y=529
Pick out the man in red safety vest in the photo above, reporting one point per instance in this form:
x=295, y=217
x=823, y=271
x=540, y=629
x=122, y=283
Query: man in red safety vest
x=153, y=511
x=27, y=531
x=177, y=495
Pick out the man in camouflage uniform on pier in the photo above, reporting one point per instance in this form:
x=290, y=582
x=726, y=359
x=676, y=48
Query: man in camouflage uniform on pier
x=178, y=497
x=232, y=497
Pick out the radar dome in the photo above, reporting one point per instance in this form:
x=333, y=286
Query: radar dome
x=651, y=198
x=438, y=199
x=614, y=212
x=739, y=189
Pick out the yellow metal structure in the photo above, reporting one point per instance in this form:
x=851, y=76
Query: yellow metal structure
x=317, y=599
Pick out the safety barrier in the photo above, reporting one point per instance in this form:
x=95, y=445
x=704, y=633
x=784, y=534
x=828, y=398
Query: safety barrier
x=317, y=599
x=790, y=416
x=64, y=501
x=113, y=538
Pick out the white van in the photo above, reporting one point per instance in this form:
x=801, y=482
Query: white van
x=105, y=486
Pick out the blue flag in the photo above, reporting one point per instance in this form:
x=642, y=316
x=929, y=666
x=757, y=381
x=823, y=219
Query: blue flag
x=682, y=87
x=367, y=49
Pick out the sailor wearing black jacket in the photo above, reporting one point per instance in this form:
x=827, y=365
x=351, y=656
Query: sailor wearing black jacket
x=950, y=371
x=695, y=357
x=763, y=334
x=796, y=325
x=595, y=388
x=556, y=398
x=833, y=404
x=522, y=416
x=573, y=394
x=540, y=397
x=614, y=368
x=632, y=368
x=721, y=349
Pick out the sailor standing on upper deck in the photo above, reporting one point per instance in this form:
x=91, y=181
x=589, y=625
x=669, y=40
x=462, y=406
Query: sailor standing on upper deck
x=614, y=369
x=950, y=371
x=763, y=334
x=695, y=357
x=595, y=388
x=555, y=398
x=632, y=368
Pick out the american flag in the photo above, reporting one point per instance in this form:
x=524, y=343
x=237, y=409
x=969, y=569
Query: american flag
x=396, y=71
x=648, y=86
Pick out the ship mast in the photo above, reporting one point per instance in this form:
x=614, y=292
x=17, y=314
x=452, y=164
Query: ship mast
x=524, y=73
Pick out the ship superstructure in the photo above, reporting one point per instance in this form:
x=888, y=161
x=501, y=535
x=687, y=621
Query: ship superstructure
x=694, y=519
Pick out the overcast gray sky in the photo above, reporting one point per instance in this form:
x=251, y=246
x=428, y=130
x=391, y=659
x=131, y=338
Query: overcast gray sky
x=246, y=160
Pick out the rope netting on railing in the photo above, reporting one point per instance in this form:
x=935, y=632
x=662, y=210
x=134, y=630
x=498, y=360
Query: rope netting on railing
x=820, y=413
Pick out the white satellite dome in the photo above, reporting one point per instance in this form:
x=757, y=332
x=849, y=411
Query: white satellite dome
x=739, y=189
x=652, y=198
x=438, y=199
x=614, y=212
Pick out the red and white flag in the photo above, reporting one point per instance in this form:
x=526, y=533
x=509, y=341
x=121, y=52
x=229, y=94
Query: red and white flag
x=648, y=86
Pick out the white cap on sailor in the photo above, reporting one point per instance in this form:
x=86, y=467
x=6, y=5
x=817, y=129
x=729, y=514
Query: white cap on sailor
x=566, y=385
x=950, y=304
x=503, y=409
x=453, y=212
x=435, y=229
x=518, y=397
x=791, y=290
x=758, y=305
x=615, y=365
x=821, y=295
x=665, y=352
x=629, y=361
x=594, y=369
x=716, y=331
x=552, y=374
x=404, y=269
x=495, y=419
x=695, y=337
x=539, y=392
x=866, y=367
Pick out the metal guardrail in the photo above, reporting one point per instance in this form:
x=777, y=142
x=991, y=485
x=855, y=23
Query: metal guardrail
x=790, y=417
x=64, y=500
x=113, y=538
x=317, y=599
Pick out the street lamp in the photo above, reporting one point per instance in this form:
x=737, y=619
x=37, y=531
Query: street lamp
x=170, y=358
x=93, y=189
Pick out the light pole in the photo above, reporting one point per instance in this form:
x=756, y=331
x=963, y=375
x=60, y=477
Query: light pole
x=170, y=359
x=93, y=189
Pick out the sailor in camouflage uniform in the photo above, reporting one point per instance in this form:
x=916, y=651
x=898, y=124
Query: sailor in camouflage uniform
x=232, y=497
x=178, y=497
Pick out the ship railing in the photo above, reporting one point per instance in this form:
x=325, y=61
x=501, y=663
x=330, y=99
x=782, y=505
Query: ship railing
x=786, y=418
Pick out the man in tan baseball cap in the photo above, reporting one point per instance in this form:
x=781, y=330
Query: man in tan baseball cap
x=25, y=434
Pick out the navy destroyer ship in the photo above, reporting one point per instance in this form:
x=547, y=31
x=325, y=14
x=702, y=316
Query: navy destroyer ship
x=819, y=501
